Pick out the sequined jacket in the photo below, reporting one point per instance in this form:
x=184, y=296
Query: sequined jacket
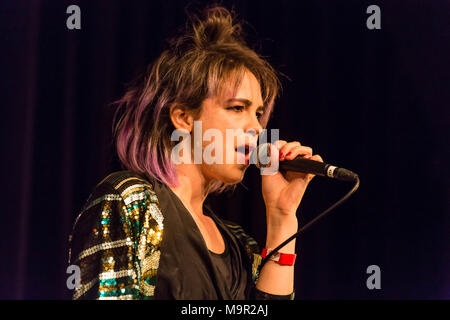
x=118, y=254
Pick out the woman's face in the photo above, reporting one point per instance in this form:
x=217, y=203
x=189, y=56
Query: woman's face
x=231, y=114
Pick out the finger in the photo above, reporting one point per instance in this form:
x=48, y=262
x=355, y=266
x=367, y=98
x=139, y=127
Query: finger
x=298, y=151
x=279, y=144
x=309, y=177
x=287, y=147
x=316, y=157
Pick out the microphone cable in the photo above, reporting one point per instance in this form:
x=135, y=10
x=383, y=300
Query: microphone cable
x=312, y=222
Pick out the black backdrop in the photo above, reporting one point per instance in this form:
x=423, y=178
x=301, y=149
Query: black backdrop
x=374, y=101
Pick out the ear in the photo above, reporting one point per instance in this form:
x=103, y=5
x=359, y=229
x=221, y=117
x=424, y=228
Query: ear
x=181, y=117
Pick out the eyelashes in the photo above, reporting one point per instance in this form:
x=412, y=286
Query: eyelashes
x=236, y=108
x=241, y=108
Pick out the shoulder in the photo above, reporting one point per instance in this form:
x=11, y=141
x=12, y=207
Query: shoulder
x=119, y=229
x=125, y=190
x=116, y=209
x=125, y=186
x=122, y=182
x=117, y=178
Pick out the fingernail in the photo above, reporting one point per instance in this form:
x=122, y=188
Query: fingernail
x=288, y=154
x=281, y=156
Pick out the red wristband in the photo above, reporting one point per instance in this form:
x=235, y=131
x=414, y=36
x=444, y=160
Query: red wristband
x=281, y=258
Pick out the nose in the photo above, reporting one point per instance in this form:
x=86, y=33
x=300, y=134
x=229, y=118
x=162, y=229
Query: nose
x=253, y=131
x=254, y=128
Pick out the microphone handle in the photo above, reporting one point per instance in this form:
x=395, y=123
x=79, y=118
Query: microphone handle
x=301, y=164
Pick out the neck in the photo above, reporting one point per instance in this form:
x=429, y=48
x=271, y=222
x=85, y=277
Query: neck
x=192, y=189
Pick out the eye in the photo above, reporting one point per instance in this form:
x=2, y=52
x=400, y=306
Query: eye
x=241, y=108
x=236, y=108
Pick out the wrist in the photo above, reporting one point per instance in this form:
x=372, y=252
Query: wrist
x=281, y=222
x=279, y=230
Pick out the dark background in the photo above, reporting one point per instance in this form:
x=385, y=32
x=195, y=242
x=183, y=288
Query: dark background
x=373, y=101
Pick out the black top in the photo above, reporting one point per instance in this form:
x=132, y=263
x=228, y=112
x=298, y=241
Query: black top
x=188, y=269
x=227, y=266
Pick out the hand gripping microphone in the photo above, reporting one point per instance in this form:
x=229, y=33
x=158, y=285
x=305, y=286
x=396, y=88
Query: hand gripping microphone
x=261, y=158
x=300, y=164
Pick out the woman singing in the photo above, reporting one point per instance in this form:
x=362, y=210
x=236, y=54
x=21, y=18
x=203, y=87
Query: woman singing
x=144, y=232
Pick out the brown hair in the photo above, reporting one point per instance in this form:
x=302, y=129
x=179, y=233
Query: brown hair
x=196, y=65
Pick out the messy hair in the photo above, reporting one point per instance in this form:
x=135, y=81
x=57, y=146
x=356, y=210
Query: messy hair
x=210, y=54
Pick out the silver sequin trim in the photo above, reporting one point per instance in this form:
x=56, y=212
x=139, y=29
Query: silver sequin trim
x=119, y=274
x=113, y=197
x=157, y=215
x=145, y=194
x=138, y=195
x=104, y=276
x=127, y=297
x=104, y=246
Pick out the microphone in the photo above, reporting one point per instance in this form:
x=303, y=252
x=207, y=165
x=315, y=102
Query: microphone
x=300, y=164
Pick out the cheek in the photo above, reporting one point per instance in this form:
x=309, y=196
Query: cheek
x=222, y=118
x=216, y=128
x=214, y=125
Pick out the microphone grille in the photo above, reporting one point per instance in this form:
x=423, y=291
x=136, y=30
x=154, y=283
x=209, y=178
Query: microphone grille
x=260, y=156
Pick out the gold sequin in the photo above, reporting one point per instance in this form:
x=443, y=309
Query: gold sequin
x=142, y=224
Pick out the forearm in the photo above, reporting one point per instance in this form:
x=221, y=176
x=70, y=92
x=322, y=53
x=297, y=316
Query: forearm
x=275, y=278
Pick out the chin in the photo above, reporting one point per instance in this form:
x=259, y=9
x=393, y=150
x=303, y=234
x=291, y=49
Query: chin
x=233, y=175
x=226, y=173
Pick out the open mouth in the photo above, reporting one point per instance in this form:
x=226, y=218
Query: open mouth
x=244, y=151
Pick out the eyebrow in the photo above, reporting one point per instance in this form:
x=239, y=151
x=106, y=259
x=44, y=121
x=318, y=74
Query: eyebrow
x=244, y=101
